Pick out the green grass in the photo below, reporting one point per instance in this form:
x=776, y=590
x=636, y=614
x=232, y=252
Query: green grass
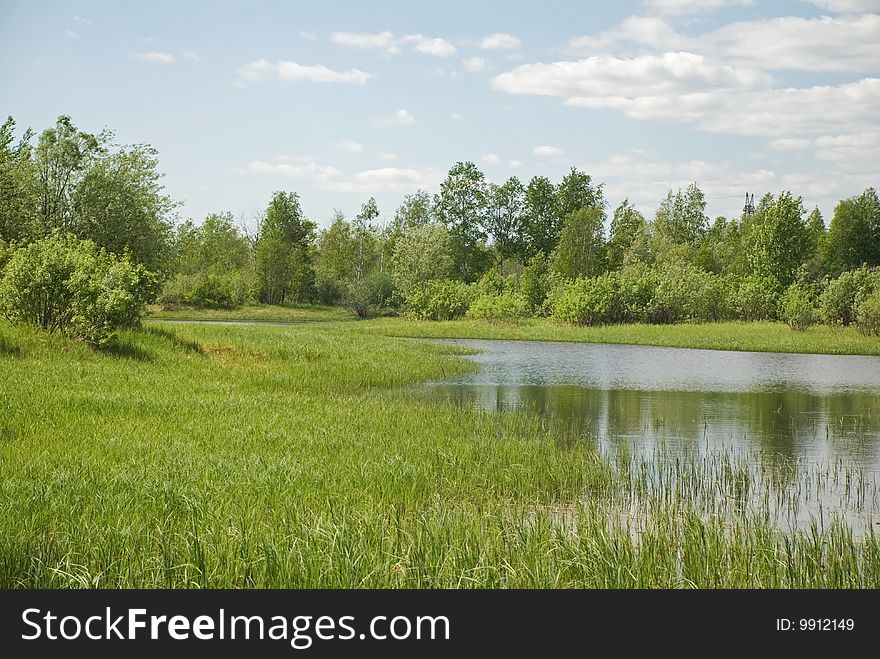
x=232, y=456
x=255, y=313
x=747, y=336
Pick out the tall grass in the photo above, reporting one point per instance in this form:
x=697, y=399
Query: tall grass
x=209, y=456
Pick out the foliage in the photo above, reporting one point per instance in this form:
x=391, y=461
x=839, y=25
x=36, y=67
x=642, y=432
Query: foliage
x=853, y=238
x=534, y=282
x=625, y=225
x=778, y=240
x=681, y=218
x=541, y=221
x=421, y=254
x=504, y=218
x=758, y=298
x=283, y=251
x=580, y=252
x=797, y=308
x=70, y=286
x=839, y=302
x=207, y=290
x=440, y=299
x=461, y=206
x=588, y=300
x=868, y=314
x=505, y=306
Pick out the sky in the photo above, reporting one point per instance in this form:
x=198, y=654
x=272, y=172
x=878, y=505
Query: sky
x=340, y=101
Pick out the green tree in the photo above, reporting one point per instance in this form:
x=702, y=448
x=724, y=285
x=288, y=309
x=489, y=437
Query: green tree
x=581, y=249
x=541, y=221
x=283, y=251
x=18, y=185
x=120, y=205
x=719, y=250
x=681, y=218
x=625, y=225
x=577, y=192
x=504, y=218
x=62, y=157
x=778, y=240
x=422, y=254
x=461, y=206
x=854, y=235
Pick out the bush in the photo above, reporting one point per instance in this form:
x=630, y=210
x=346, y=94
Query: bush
x=797, y=308
x=494, y=283
x=328, y=288
x=534, y=282
x=67, y=285
x=440, y=299
x=505, y=306
x=637, y=285
x=758, y=298
x=680, y=293
x=208, y=291
x=868, y=314
x=588, y=300
x=367, y=296
x=841, y=298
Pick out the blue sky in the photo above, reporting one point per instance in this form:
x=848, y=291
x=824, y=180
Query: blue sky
x=342, y=100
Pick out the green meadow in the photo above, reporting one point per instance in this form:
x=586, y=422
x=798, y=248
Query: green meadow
x=195, y=455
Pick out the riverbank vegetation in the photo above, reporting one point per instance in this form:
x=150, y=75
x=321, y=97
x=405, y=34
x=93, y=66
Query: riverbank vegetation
x=216, y=456
x=497, y=252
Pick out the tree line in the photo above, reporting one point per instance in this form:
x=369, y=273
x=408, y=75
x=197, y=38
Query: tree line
x=489, y=250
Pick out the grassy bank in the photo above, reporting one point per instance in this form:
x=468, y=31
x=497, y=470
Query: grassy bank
x=754, y=336
x=229, y=456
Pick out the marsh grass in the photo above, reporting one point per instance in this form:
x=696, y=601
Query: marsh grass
x=286, y=457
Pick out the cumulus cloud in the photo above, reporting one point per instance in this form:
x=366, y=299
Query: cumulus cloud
x=384, y=155
x=154, y=57
x=515, y=163
x=685, y=7
x=499, y=41
x=548, y=151
x=847, y=6
x=456, y=116
x=490, y=159
x=846, y=43
x=311, y=171
x=349, y=146
x=71, y=34
x=81, y=20
x=308, y=36
x=191, y=56
x=389, y=44
x=769, y=112
x=262, y=70
x=475, y=64
x=790, y=144
x=603, y=76
x=400, y=118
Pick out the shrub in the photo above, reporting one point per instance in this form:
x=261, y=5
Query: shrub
x=534, y=283
x=367, y=296
x=588, y=300
x=868, y=314
x=637, y=285
x=494, y=283
x=680, y=293
x=328, y=288
x=758, y=298
x=208, y=291
x=796, y=308
x=504, y=306
x=841, y=298
x=440, y=299
x=67, y=285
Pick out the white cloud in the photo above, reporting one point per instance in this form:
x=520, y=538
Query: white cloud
x=389, y=44
x=790, y=144
x=349, y=146
x=455, y=116
x=440, y=72
x=847, y=43
x=685, y=7
x=191, y=56
x=548, y=151
x=490, y=159
x=475, y=64
x=384, y=155
x=81, y=20
x=400, y=118
x=431, y=45
x=499, y=41
x=646, y=75
x=71, y=34
x=390, y=179
x=384, y=41
x=318, y=174
x=847, y=6
x=308, y=36
x=261, y=70
x=515, y=163
x=154, y=57
x=855, y=152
